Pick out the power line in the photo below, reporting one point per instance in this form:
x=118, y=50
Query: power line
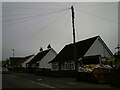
x=24, y=8
x=101, y=4
x=54, y=21
x=77, y=27
x=45, y=13
x=24, y=20
x=36, y=23
x=64, y=30
x=17, y=14
x=33, y=8
x=35, y=15
x=100, y=17
x=98, y=4
x=28, y=19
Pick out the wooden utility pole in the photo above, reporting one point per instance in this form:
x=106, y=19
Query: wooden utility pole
x=74, y=46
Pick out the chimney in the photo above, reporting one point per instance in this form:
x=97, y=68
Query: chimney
x=41, y=49
x=49, y=46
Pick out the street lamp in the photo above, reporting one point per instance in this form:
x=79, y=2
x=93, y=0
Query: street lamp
x=13, y=50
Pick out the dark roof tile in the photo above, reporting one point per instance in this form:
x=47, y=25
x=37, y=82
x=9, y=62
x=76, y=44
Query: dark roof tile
x=67, y=53
x=18, y=60
x=39, y=56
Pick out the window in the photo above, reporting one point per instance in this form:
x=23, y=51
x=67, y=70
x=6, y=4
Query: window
x=66, y=66
x=69, y=66
x=72, y=66
x=55, y=66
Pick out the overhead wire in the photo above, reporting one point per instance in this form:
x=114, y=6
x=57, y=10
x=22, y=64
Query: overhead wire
x=98, y=4
x=34, y=15
x=32, y=18
x=28, y=8
x=24, y=20
x=36, y=23
x=77, y=31
x=74, y=3
x=46, y=26
x=43, y=13
x=18, y=14
x=31, y=12
x=19, y=6
x=100, y=17
x=43, y=28
x=101, y=4
x=64, y=29
x=95, y=15
x=13, y=8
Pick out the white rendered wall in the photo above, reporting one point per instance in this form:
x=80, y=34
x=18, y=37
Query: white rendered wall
x=44, y=62
x=98, y=49
x=29, y=59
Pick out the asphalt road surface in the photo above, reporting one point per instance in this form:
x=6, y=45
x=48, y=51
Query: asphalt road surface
x=27, y=80
x=11, y=81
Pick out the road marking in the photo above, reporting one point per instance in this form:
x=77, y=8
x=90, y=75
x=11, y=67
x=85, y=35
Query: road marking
x=33, y=82
x=42, y=84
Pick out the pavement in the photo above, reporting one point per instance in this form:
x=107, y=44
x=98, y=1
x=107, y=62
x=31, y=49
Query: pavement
x=53, y=82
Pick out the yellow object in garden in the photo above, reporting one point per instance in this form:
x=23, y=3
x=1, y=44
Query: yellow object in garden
x=90, y=65
x=108, y=60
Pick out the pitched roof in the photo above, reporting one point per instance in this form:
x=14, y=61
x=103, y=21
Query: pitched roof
x=15, y=60
x=67, y=53
x=4, y=63
x=18, y=60
x=39, y=56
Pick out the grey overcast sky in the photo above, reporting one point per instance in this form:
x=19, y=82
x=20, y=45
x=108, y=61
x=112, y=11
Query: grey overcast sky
x=27, y=26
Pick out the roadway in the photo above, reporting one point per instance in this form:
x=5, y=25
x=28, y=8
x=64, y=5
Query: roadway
x=27, y=80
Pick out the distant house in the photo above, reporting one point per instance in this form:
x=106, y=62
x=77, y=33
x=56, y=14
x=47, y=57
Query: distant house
x=5, y=63
x=42, y=58
x=17, y=61
x=29, y=58
x=87, y=50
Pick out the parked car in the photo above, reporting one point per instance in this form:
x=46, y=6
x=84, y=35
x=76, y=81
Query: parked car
x=5, y=70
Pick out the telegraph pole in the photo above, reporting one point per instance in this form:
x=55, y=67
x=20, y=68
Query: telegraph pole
x=75, y=54
x=13, y=50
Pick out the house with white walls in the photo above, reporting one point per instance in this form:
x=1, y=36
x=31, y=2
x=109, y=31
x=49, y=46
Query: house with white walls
x=42, y=58
x=92, y=49
x=19, y=61
x=24, y=64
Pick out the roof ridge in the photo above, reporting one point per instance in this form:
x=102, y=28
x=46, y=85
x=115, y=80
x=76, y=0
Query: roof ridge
x=84, y=40
x=44, y=50
x=81, y=47
x=90, y=38
x=39, y=56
